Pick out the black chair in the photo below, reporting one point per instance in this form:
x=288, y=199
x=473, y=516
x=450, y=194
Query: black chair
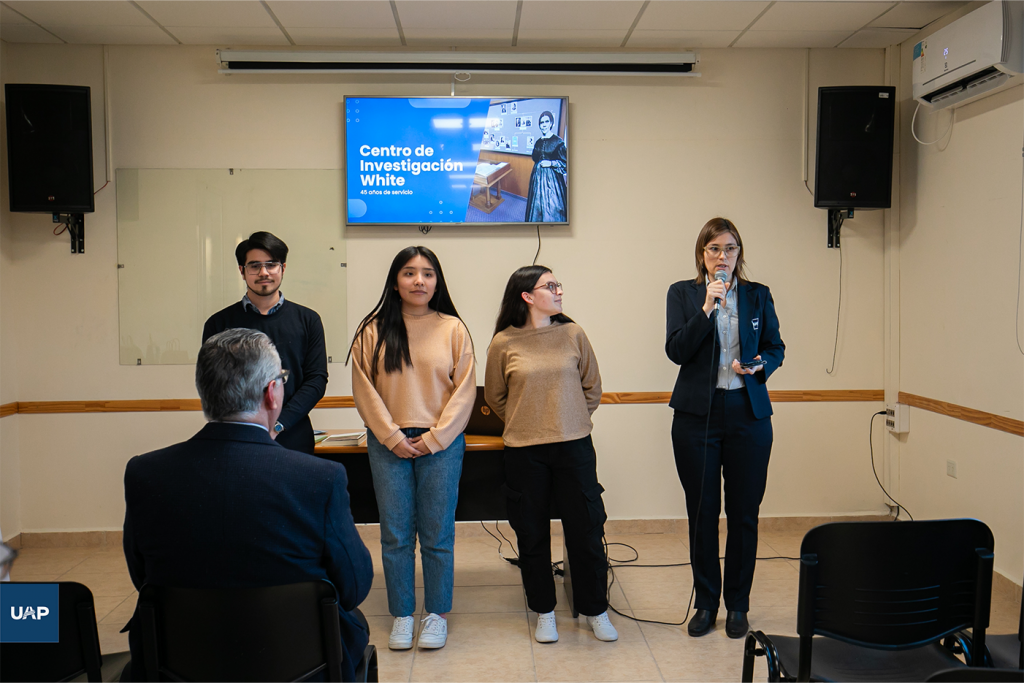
x=1004, y=651
x=880, y=595
x=78, y=651
x=1007, y=651
x=975, y=674
x=276, y=633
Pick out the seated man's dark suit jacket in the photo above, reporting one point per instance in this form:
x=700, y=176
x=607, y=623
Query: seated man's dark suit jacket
x=230, y=508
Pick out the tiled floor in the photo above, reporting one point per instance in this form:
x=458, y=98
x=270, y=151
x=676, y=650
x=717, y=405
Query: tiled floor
x=490, y=629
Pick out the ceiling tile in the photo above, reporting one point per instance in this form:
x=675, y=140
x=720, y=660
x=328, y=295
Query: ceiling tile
x=113, y=35
x=84, y=13
x=677, y=40
x=699, y=15
x=878, y=37
x=439, y=37
x=477, y=15
x=9, y=17
x=819, y=16
x=353, y=14
x=216, y=35
x=554, y=38
x=791, y=38
x=915, y=14
x=26, y=33
x=579, y=15
x=342, y=37
x=208, y=13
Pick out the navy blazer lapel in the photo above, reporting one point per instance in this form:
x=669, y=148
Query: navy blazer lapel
x=697, y=294
x=748, y=325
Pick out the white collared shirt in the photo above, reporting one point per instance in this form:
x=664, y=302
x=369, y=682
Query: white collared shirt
x=727, y=323
x=251, y=424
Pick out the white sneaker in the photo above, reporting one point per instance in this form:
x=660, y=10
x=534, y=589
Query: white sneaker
x=401, y=633
x=547, y=631
x=603, y=629
x=434, y=633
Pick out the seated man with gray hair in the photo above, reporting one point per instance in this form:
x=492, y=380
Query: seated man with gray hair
x=232, y=508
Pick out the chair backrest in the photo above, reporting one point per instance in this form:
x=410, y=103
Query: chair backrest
x=78, y=649
x=276, y=633
x=895, y=585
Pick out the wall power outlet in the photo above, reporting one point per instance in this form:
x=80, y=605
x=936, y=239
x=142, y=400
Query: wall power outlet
x=897, y=417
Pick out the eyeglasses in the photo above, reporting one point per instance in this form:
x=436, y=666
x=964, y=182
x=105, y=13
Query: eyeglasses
x=715, y=251
x=552, y=287
x=285, y=374
x=254, y=267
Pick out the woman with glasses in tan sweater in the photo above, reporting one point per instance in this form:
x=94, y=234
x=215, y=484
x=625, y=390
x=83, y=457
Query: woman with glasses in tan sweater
x=414, y=384
x=543, y=381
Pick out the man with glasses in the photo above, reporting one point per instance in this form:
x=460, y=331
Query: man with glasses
x=230, y=508
x=296, y=331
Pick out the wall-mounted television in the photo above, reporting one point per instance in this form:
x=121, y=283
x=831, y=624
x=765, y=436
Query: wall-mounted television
x=456, y=160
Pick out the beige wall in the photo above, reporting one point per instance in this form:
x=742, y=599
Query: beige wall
x=10, y=457
x=682, y=151
x=959, y=230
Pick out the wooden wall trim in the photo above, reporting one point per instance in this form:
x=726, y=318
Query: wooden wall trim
x=978, y=417
x=827, y=395
x=635, y=397
x=336, y=402
x=192, y=404
x=138, y=406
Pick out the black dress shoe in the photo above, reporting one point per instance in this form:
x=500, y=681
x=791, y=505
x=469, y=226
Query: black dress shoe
x=736, y=624
x=702, y=622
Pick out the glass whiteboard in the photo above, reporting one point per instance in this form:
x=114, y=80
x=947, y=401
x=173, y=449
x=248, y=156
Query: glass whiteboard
x=176, y=236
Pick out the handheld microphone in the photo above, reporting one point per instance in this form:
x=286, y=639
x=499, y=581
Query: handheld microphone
x=720, y=276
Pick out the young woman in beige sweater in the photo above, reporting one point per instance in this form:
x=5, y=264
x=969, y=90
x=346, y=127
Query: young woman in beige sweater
x=543, y=381
x=414, y=383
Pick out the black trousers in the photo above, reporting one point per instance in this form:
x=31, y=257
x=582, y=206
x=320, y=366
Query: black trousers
x=564, y=473
x=738, y=448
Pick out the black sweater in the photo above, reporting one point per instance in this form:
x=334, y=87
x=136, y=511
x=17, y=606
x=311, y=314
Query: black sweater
x=298, y=334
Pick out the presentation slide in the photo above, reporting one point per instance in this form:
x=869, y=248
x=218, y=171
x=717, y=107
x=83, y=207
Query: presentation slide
x=455, y=160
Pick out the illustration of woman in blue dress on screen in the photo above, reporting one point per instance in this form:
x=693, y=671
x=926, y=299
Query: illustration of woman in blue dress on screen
x=546, y=200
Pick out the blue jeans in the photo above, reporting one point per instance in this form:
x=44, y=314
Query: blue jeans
x=417, y=495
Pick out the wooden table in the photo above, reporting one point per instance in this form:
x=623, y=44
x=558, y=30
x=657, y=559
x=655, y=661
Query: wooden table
x=480, y=488
x=473, y=443
x=488, y=175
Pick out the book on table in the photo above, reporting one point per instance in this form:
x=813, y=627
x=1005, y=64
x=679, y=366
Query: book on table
x=347, y=439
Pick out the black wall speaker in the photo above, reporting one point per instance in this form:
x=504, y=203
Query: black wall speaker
x=49, y=148
x=853, y=168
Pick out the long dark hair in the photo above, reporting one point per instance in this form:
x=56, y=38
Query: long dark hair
x=392, y=337
x=514, y=310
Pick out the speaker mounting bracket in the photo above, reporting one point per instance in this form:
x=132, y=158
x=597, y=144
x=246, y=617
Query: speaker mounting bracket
x=75, y=223
x=835, y=224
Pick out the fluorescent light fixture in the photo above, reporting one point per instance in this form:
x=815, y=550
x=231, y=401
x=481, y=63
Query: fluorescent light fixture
x=597, y=63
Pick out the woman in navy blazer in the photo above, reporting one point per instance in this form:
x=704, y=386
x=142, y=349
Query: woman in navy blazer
x=722, y=425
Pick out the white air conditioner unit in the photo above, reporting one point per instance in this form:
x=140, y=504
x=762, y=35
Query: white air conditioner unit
x=977, y=55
